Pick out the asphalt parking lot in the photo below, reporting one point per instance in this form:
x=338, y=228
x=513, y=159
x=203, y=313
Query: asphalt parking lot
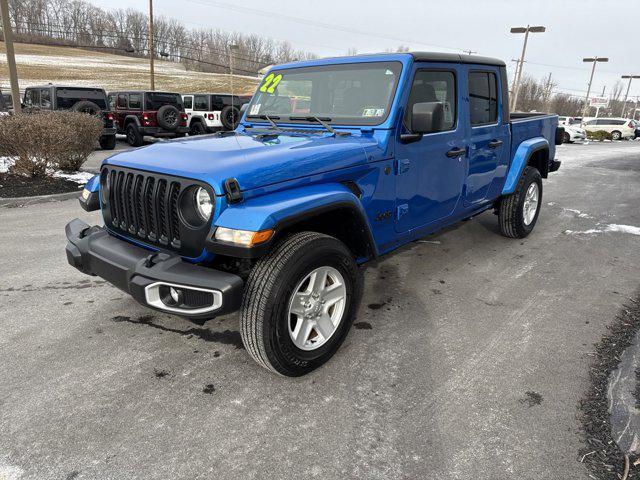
x=468, y=359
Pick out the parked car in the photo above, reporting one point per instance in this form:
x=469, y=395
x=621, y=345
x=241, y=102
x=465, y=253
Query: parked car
x=619, y=128
x=570, y=121
x=210, y=112
x=274, y=218
x=78, y=99
x=637, y=125
x=154, y=114
x=573, y=133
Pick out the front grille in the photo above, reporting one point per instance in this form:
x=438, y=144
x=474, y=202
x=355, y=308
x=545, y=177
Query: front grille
x=145, y=206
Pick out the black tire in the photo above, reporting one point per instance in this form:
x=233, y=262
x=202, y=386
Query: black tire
x=616, y=135
x=566, y=138
x=108, y=142
x=168, y=117
x=264, y=325
x=134, y=137
x=511, y=208
x=85, y=106
x=197, y=128
x=230, y=116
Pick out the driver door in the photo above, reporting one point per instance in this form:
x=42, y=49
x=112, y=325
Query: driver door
x=431, y=171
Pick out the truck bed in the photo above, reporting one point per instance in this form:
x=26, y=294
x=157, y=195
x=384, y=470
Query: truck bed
x=525, y=126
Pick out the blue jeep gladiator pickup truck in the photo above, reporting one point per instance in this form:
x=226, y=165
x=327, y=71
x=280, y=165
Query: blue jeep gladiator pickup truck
x=336, y=162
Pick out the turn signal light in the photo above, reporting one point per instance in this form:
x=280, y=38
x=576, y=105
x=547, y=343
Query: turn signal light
x=244, y=238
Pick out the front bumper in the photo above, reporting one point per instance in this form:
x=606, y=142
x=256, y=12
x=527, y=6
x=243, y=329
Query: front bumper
x=141, y=273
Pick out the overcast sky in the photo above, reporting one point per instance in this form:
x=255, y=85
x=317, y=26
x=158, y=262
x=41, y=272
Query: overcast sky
x=575, y=29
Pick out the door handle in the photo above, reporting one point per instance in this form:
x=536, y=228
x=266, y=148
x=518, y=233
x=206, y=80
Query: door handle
x=495, y=143
x=456, y=152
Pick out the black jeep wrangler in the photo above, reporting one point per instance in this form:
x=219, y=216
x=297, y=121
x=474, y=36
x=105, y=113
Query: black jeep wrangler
x=78, y=99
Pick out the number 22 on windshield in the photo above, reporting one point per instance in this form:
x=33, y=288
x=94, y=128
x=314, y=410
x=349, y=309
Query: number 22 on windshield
x=270, y=83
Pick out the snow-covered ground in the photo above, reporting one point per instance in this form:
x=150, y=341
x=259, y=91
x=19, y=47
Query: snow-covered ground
x=79, y=177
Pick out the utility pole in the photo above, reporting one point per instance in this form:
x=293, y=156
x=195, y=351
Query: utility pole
x=526, y=30
x=626, y=95
x=232, y=49
x=11, y=55
x=547, y=93
x=515, y=75
x=593, y=60
x=151, y=49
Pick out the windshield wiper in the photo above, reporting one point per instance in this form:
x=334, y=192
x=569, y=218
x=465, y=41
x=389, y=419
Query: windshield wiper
x=269, y=118
x=322, y=121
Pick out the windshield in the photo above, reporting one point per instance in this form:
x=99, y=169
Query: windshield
x=352, y=94
x=155, y=100
x=68, y=97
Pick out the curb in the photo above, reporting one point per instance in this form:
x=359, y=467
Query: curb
x=24, y=201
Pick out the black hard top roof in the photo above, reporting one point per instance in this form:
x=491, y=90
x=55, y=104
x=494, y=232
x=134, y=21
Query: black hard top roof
x=55, y=85
x=455, y=58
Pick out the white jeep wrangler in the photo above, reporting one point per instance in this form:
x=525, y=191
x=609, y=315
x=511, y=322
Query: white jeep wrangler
x=211, y=112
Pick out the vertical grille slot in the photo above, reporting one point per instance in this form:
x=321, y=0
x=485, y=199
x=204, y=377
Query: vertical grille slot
x=163, y=233
x=150, y=208
x=139, y=200
x=173, y=216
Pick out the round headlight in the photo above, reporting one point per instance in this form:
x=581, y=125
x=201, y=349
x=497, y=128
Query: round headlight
x=204, y=203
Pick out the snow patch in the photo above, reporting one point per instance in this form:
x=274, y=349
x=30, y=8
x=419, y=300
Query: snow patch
x=9, y=472
x=79, y=177
x=615, y=228
x=5, y=163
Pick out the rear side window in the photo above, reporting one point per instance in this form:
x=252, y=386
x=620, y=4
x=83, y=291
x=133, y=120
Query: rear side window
x=188, y=102
x=135, y=101
x=122, y=100
x=45, y=98
x=433, y=86
x=200, y=103
x=483, y=98
x=66, y=98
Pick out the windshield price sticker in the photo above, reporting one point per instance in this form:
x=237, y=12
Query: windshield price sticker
x=373, y=112
x=270, y=84
x=255, y=109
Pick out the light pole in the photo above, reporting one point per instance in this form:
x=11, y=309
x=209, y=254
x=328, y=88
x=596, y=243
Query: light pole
x=526, y=30
x=624, y=105
x=11, y=57
x=593, y=60
x=151, y=52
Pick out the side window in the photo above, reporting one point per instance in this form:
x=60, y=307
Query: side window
x=45, y=98
x=590, y=122
x=135, y=101
x=483, y=98
x=434, y=86
x=217, y=103
x=32, y=98
x=122, y=101
x=188, y=102
x=112, y=101
x=200, y=103
x=601, y=122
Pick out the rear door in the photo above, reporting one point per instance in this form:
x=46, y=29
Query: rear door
x=431, y=171
x=488, y=133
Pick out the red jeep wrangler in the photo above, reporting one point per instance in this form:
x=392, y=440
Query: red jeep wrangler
x=156, y=114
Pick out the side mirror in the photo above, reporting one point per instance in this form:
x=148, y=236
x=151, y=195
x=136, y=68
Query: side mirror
x=426, y=117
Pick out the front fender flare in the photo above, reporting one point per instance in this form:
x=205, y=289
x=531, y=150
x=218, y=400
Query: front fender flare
x=520, y=159
x=282, y=209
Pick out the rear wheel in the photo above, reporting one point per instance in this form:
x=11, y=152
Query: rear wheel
x=299, y=303
x=616, y=135
x=566, y=138
x=134, y=137
x=518, y=212
x=108, y=142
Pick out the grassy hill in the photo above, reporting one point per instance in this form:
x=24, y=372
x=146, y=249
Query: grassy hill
x=38, y=64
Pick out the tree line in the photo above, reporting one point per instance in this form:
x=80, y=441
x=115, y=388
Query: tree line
x=79, y=23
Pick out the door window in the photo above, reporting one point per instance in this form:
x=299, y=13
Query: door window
x=434, y=86
x=45, y=98
x=112, y=101
x=483, y=98
x=200, y=103
x=135, y=101
x=188, y=102
x=32, y=98
x=122, y=101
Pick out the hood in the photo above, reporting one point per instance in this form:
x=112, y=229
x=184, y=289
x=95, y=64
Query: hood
x=253, y=160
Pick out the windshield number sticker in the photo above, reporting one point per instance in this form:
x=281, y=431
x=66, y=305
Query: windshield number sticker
x=271, y=83
x=373, y=112
x=255, y=109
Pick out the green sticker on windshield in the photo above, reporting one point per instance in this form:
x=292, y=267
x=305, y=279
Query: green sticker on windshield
x=270, y=83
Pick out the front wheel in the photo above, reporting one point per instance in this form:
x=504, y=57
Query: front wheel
x=518, y=212
x=299, y=303
x=615, y=135
x=134, y=137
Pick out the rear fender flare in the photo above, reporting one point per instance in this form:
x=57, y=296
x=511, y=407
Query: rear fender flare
x=523, y=153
